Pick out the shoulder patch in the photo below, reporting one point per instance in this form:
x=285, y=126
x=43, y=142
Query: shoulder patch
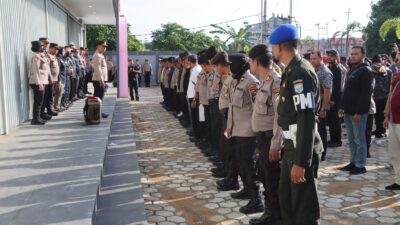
x=298, y=86
x=275, y=91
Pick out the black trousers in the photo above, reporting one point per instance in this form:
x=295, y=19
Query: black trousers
x=37, y=101
x=133, y=86
x=98, y=91
x=88, y=78
x=215, y=123
x=194, y=117
x=47, y=98
x=323, y=133
x=335, y=128
x=380, y=116
x=368, y=130
x=206, y=128
x=140, y=80
x=184, y=107
x=81, y=83
x=74, y=88
x=147, y=77
x=244, y=148
x=227, y=148
x=268, y=172
x=163, y=91
x=299, y=202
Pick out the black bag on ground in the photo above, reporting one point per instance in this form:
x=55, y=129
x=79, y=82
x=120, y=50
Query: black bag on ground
x=92, y=110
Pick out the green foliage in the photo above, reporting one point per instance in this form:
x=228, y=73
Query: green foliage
x=388, y=25
x=236, y=40
x=173, y=36
x=108, y=33
x=382, y=11
x=309, y=42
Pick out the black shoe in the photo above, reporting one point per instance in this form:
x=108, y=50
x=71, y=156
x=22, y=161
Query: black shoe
x=45, y=116
x=193, y=139
x=218, y=164
x=190, y=132
x=368, y=154
x=349, y=167
x=214, y=158
x=216, y=169
x=323, y=158
x=266, y=219
x=132, y=99
x=52, y=113
x=228, y=185
x=357, y=171
x=208, y=152
x=255, y=204
x=42, y=120
x=393, y=187
x=219, y=173
x=104, y=115
x=137, y=99
x=37, y=122
x=242, y=194
x=333, y=144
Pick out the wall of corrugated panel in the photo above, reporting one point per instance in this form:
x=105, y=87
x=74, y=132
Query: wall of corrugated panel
x=22, y=21
x=58, y=24
x=74, y=32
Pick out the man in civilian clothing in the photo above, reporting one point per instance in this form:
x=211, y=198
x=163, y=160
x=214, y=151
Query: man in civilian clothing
x=195, y=70
x=392, y=122
x=381, y=92
x=339, y=74
x=325, y=81
x=356, y=103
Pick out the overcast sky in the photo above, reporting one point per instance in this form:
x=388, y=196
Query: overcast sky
x=148, y=15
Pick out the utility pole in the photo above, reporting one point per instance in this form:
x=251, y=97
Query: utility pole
x=264, y=27
x=347, y=32
x=317, y=35
x=291, y=12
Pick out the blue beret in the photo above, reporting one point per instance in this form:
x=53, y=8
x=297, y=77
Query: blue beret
x=283, y=33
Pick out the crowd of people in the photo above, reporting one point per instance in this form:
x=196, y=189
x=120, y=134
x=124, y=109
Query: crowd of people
x=262, y=116
x=59, y=76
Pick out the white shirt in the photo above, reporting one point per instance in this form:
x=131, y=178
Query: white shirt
x=194, y=73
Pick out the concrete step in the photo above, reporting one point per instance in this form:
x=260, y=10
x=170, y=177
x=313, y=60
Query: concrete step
x=120, y=196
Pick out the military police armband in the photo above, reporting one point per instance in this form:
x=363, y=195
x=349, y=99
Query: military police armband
x=304, y=101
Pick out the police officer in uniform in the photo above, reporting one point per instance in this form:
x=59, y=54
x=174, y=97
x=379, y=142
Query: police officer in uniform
x=239, y=127
x=37, y=80
x=55, y=71
x=227, y=150
x=264, y=123
x=299, y=103
x=100, y=71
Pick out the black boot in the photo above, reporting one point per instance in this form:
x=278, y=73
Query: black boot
x=219, y=173
x=45, y=116
x=242, y=194
x=255, y=204
x=37, y=122
x=51, y=112
x=266, y=219
x=228, y=185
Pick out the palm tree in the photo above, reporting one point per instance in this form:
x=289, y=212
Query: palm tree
x=388, y=25
x=237, y=38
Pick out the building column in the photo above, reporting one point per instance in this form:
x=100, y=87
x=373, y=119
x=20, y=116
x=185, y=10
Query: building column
x=123, y=58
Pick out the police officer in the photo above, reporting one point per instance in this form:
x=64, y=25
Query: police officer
x=46, y=112
x=182, y=85
x=132, y=81
x=297, y=113
x=203, y=104
x=60, y=85
x=268, y=133
x=227, y=150
x=100, y=71
x=55, y=71
x=37, y=80
x=239, y=127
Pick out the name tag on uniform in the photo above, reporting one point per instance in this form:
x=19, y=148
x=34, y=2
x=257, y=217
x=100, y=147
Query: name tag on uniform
x=286, y=134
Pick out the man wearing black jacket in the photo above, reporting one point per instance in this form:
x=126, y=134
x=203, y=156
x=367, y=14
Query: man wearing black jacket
x=334, y=122
x=355, y=105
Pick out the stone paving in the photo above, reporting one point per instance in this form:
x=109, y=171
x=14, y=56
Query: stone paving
x=179, y=189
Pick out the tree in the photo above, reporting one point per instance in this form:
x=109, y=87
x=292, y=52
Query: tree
x=388, y=25
x=236, y=40
x=309, y=42
x=173, y=36
x=381, y=12
x=108, y=33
